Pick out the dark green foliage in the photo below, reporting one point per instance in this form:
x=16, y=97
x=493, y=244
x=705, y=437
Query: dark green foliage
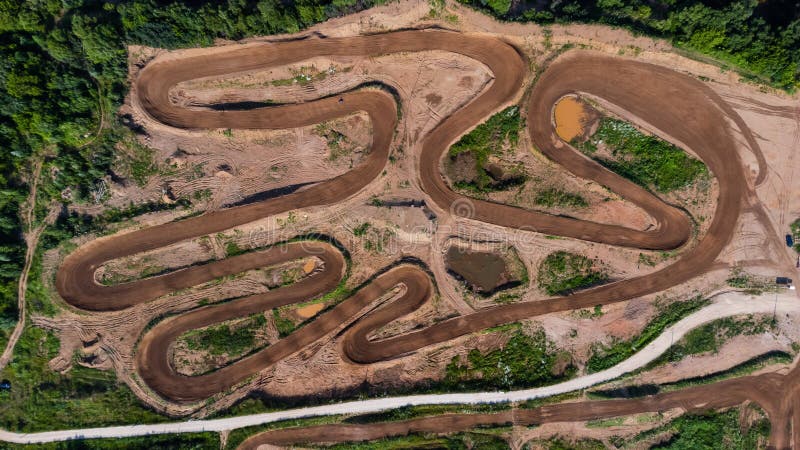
x=460, y=441
x=524, y=361
x=412, y=412
x=74, y=224
x=709, y=337
x=488, y=139
x=647, y=160
x=42, y=399
x=63, y=72
x=225, y=339
x=560, y=443
x=711, y=431
x=795, y=227
x=751, y=365
x=233, y=249
x=185, y=441
x=562, y=272
x=761, y=38
x=604, y=357
x=63, y=66
x=361, y=230
x=285, y=326
x=557, y=197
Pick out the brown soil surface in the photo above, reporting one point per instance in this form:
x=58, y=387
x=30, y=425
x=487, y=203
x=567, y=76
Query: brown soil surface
x=306, y=312
x=706, y=134
x=570, y=118
x=759, y=389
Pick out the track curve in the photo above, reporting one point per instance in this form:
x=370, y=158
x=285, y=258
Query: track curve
x=671, y=101
x=724, y=394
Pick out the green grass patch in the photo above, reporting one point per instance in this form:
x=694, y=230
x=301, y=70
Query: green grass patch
x=561, y=443
x=181, y=441
x=525, y=360
x=646, y=160
x=233, y=249
x=238, y=435
x=605, y=423
x=470, y=440
x=43, y=400
x=487, y=139
x=750, y=283
x=233, y=340
x=556, y=197
x=562, y=272
x=413, y=412
x=136, y=160
x=285, y=326
x=745, y=368
x=361, y=229
x=795, y=228
x=604, y=357
x=711, y=431
x=711, y=336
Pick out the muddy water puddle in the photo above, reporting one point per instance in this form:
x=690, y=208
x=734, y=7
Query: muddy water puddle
x=571, y=117
x=309, y=311
x=485, y=272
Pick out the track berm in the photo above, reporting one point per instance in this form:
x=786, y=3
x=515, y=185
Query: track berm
x=665, y=99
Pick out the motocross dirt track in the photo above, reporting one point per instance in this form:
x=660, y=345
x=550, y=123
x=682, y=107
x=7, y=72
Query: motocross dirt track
x=668, y=101
x=760, y=389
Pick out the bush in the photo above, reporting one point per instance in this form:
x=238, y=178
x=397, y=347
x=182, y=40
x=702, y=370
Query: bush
x=524, y=361
x=557, y=197
x=485, y=140
x=646, y=160
x=562, y=272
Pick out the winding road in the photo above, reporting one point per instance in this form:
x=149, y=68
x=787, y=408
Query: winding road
x=725, y=305
x=667, y=100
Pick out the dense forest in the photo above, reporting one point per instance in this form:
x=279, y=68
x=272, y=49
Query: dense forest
x=760, y=38
x=63, y=71
x=63, y=74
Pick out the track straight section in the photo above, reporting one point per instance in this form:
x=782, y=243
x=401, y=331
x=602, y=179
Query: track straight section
x=666, y=99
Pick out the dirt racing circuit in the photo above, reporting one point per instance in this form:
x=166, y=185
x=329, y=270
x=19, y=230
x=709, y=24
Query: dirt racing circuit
x=668, y=100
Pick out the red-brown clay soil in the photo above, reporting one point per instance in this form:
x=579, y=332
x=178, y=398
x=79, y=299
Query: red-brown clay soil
x=668, y=101
x=761, y=389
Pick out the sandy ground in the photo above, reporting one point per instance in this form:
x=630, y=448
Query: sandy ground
x=233, y=166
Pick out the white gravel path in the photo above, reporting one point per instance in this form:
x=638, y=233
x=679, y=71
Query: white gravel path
x=723, y=305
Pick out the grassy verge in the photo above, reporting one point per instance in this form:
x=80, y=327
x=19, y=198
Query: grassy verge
x=562, y=443
x=712, y=430
x=557, y=197
x=525, y=360
x=482, y=439
x=227, y=339
x=413, y=412
x=562, y=272
x=604, y=357
x=751, y=284
x=745, y=368
x=41, y=399
x=711, y=336
x=193, y=441
x=646, y=160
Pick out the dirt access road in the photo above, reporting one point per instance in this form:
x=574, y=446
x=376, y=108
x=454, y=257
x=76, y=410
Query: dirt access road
x=669, y=101
x=726, y=305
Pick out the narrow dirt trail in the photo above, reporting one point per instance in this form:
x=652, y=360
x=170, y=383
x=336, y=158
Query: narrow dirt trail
x=670, y=101
x=31, y=236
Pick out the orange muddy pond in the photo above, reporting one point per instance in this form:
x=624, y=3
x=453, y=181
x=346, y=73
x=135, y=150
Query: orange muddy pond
x=309, y=311
x=570, y=118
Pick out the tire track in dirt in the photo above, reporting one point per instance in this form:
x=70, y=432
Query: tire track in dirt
x=670, y=101
x=696, y=399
